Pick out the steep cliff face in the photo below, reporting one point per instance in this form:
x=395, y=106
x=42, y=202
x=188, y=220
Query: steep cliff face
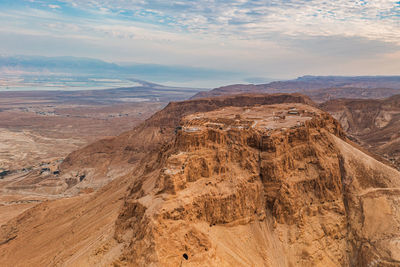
x=242, y=182
x=247, y=187
x=371, y=196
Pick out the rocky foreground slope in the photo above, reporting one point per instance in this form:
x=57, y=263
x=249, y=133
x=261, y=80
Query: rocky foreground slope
x=245, y=180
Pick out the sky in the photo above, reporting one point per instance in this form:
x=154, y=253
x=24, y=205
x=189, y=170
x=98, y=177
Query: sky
x=256, y=38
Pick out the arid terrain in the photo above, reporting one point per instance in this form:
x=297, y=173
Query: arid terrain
x=374, y=123
x=34, y=140
x=151, y=133
x=38, y=129
x=246, y=180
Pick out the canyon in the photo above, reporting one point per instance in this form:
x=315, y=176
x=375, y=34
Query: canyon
x=373, y=123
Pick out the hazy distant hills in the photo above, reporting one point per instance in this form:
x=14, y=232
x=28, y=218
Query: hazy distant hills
x=351, y=81
x=72, y=64
x=320, y=88
x=38, y=65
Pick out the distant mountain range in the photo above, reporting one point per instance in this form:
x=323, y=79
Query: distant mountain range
x=319, y=88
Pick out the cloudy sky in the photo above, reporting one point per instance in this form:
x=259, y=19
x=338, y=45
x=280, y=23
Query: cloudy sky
x=259, y=38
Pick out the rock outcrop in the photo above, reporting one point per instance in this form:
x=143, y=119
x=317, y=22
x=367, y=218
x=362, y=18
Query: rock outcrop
x=292, y=194
x=106, y=159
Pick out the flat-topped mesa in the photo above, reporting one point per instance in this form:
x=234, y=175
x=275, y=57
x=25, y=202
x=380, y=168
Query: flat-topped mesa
x=254, y=126
x=104, y=159
x=269, y=141
x=261, y=117
x=233, y=166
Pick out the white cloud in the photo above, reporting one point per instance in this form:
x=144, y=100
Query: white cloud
x=54, y=6
x=258, y=19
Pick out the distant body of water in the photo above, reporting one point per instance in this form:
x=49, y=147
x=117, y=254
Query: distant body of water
x=51, y=83
x=87, y=82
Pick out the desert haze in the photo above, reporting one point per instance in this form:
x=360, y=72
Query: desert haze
x=200, y=133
